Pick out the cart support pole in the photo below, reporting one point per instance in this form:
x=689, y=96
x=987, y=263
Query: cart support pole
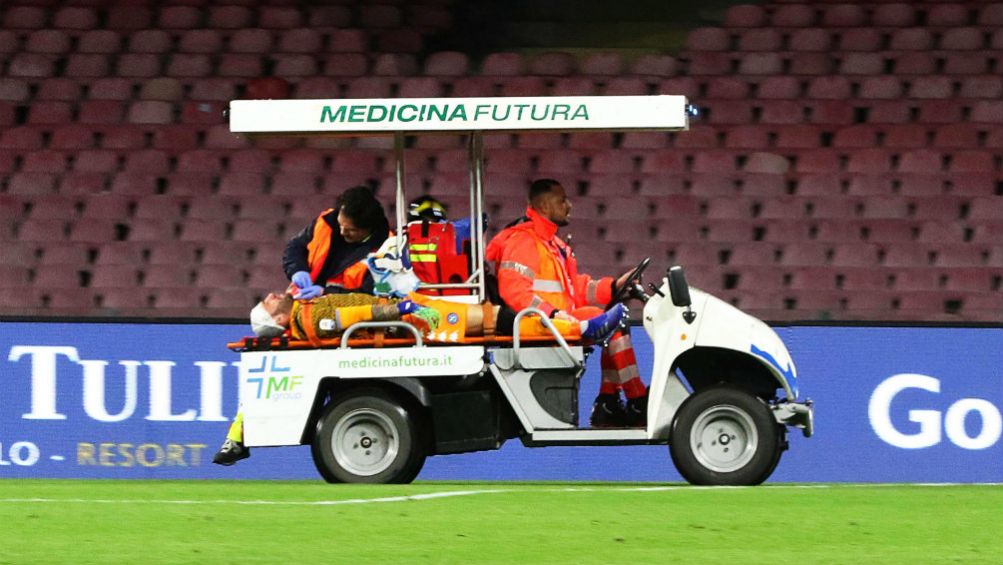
x=399, y=170
x=476, y=159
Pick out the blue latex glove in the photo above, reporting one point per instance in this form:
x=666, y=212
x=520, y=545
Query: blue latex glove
x=302, y=279
x=309, y=292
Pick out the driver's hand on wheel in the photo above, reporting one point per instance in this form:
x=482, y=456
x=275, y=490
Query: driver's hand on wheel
x=622, y=280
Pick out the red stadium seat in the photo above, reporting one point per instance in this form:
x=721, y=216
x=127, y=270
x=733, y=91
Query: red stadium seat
x=153, y=229
x=502, y=64
x=655, y=65
x=898, y=14
x=180, y=254
x=50, y=41
x=230, y=17
x=134, y=183
x=58, y=276
x=708, y=39
x=59, y=89
x=24, y=17
x=860, y=39
x=94, y=230
x=810, y=39
x=600, y=64
x=710, y=62
x=573, y=86
x=864, y=279
x=50, y=112
x=745, y=15
x=75, y=17
x=447, y=63
x=204, y=41
x=122, y=253
x=805, y=253
x=793, y=15
x=129, y=17
x=944, y=14
x=329, y=16
x=251, y=40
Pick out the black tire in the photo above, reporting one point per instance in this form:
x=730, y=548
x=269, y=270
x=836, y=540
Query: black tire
x=725, y=436
x=367, y=436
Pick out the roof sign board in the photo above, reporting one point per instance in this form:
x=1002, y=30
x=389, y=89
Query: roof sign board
x=459, y=114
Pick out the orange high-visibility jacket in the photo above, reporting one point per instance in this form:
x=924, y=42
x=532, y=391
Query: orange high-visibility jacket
x=536, y=268
x=331, y=261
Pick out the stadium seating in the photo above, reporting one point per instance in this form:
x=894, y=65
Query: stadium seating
x=853, y=138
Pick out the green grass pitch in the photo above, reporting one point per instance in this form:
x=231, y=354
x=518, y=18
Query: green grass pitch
x=55, y=522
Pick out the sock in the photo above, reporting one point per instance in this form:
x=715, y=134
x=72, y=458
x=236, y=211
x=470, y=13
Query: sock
x=634, y=388
x=609, y=388
x=348, y=315
x=601, y=326
x=236, y=432
x=531, y=325
x=429, y=316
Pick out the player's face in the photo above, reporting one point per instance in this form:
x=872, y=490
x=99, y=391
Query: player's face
x=556, y=206
x=278, y=306
x=349, y=231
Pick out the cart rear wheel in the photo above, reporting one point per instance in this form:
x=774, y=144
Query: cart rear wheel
x=725, y=436
x=368, y=437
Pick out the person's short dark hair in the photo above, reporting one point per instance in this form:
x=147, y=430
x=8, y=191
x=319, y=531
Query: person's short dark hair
x=361, y=206
x=541, y=187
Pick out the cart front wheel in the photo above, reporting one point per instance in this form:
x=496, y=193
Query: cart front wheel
x=725, y=436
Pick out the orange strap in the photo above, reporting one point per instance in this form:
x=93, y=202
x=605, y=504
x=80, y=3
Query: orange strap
x=488, y=319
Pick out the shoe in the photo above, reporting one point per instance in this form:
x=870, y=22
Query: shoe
x=606, y=324
x=608, y=412
x=230, y=453
x=636, y=412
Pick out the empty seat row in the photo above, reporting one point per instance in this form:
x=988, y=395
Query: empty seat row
x=764, y=63
x=823, y=39
x=227, y=17
x=232, y=302
x=845, y=14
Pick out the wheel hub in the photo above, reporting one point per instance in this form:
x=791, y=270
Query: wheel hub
x=365, y=442
x=724, y=438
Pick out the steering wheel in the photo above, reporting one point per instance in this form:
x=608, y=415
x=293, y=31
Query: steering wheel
x=632, y=286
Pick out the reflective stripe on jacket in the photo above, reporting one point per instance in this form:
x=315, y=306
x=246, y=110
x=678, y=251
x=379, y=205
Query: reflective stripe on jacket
x=535, y=268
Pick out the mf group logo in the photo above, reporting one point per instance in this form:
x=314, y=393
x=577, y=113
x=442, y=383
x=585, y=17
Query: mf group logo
x=275, y=383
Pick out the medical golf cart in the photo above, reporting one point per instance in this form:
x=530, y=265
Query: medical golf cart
x=374, y=403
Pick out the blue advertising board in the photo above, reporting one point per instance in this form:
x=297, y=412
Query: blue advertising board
x=131, y=400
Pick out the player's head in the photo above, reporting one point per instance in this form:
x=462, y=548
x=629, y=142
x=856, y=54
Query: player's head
x=271, y=316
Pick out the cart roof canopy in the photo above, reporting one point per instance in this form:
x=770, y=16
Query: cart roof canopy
x=427, y=115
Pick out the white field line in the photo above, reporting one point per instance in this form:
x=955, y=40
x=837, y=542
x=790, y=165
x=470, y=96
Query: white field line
x=458, y=493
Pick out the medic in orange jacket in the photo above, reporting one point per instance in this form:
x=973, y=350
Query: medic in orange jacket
x=537, y=269
x=334, y=261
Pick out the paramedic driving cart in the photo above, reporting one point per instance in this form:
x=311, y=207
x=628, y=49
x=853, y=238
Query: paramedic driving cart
x=537, y=269
x=723, y=389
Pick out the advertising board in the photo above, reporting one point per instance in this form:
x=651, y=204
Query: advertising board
x=137, y=400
